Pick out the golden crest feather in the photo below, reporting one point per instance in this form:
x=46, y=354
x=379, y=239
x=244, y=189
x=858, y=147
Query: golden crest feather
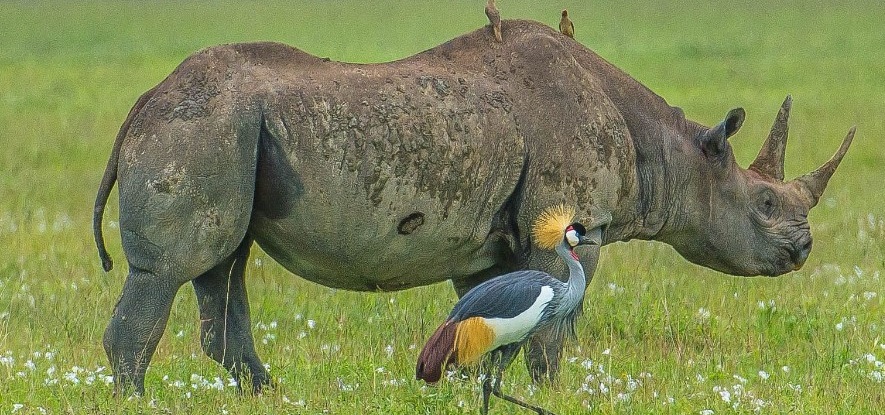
x=549, y=229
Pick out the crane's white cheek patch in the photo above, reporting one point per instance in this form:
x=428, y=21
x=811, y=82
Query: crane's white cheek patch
x=514, y=329
x=572, y=237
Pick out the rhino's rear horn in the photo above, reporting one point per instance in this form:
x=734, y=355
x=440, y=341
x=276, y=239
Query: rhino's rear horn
x=816, y=181
x=770, y=161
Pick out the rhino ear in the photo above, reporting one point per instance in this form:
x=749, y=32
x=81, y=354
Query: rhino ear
x=714, y=142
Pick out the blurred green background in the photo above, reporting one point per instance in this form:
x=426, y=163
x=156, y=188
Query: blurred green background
x=670, y=336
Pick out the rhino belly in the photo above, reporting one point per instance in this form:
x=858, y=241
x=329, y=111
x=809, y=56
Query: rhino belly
x=326, y=225
x=370, y=250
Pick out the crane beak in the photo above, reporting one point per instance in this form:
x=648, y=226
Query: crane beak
x=593, y=237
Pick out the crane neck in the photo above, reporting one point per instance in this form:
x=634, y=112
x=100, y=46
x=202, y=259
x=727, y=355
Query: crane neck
x=577, y=281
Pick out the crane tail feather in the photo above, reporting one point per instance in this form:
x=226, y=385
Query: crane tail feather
x=437, y=353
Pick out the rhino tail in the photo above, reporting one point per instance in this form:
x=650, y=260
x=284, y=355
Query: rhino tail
x=110, y=177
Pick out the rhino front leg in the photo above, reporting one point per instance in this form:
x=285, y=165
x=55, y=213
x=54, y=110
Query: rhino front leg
x=542, y=354
x=225, y=325
x=136, y=327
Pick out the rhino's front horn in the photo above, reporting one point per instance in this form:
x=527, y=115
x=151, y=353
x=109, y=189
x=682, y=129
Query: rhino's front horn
x=770, y=161
x=816, y=181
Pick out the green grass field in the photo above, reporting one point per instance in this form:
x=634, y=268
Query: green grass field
x=659, y=335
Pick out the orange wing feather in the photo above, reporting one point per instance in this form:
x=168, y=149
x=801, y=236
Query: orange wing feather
x=472, y=340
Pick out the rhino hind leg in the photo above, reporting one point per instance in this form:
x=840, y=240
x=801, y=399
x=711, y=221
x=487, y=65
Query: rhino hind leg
x=225, y=325
x=136, y=327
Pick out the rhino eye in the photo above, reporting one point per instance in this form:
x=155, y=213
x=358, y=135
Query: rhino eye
x=767, y=204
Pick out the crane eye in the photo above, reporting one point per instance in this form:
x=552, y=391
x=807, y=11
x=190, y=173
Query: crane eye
x=571, y=236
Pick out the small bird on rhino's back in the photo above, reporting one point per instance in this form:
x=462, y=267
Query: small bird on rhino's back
x=490, y=323
x=494, y=19
x=566, y=26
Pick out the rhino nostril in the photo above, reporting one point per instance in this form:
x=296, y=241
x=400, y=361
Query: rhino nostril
x=807, y=247
x=801, y=252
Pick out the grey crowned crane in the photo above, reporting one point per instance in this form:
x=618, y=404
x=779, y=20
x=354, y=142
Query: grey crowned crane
x=490, y=323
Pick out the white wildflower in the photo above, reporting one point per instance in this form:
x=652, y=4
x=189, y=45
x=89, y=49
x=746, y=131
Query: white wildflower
x=7, y=360
x=706, y=412
x=614, y=288
x=389, y=350
x=311, y=324
x=72, y=377
x=344, y=386
x=632, y=384
x=723, y=393
x=764, y=375
x=703, y=314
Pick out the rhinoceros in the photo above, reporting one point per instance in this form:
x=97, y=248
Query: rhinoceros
x=377, y=177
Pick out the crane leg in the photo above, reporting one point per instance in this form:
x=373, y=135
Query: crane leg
x=491, y=385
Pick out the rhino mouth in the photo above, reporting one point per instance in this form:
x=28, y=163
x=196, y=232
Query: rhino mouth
x=789, y=257
x=800, y=253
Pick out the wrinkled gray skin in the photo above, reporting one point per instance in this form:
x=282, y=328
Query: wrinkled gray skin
x=396, y=175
